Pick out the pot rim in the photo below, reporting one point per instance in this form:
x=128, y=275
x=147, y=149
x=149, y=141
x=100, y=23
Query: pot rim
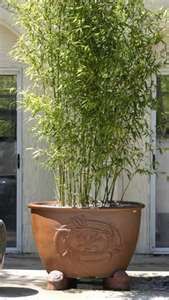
x=128, y=205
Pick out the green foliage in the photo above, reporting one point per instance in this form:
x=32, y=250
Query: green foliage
x=90, y=61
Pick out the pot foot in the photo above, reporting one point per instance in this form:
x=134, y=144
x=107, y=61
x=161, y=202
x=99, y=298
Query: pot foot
x=119, y=281
x=57, y=281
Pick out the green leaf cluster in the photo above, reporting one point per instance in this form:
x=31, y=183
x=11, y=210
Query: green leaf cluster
x=91, y=64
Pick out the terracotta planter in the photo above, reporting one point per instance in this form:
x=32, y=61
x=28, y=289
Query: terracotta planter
x=89, y=242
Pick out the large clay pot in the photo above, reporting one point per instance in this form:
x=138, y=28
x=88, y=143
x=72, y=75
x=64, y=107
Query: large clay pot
x=87, y=242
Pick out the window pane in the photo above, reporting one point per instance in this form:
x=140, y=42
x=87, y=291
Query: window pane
x=164, y=83
x=163, y=106
x=7, y=107
x=8, y=84
x=7, y=129
x=8, y=103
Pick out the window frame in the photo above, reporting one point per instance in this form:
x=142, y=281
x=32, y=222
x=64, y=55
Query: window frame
x=19, y=140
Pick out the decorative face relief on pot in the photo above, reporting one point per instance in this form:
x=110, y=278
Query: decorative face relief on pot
x=87, y=240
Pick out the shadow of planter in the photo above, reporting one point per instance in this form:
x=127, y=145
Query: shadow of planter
x=8, y=291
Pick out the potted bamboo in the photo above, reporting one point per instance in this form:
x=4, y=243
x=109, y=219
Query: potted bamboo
x=91, y=64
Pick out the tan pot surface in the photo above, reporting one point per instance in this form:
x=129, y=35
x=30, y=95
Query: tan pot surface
x=87, y=242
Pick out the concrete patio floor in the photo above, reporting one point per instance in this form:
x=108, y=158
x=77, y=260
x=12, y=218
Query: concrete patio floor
x=23, y=277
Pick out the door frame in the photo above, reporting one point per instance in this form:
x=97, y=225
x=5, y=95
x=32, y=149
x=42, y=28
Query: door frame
x=153, y=179
x=19, y=75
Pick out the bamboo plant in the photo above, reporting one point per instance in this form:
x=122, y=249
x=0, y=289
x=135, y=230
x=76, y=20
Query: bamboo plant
x=90, y=63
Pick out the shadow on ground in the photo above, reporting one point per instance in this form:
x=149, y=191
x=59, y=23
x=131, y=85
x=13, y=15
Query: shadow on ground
x=8, y=291
x=149, y=287
x=138, y=283
x=155, y=283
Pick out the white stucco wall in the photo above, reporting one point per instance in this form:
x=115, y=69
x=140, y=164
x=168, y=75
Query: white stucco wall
x=7, y=40
x=156, y=4
x=139, y=191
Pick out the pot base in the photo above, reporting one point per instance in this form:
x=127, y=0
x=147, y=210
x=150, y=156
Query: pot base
x=119, y=281
x=57, y=281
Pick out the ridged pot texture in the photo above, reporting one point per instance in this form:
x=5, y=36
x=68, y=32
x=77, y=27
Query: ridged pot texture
x=87, y=242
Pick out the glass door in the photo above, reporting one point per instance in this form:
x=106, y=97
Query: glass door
x=162, y=159
x=8, y=155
